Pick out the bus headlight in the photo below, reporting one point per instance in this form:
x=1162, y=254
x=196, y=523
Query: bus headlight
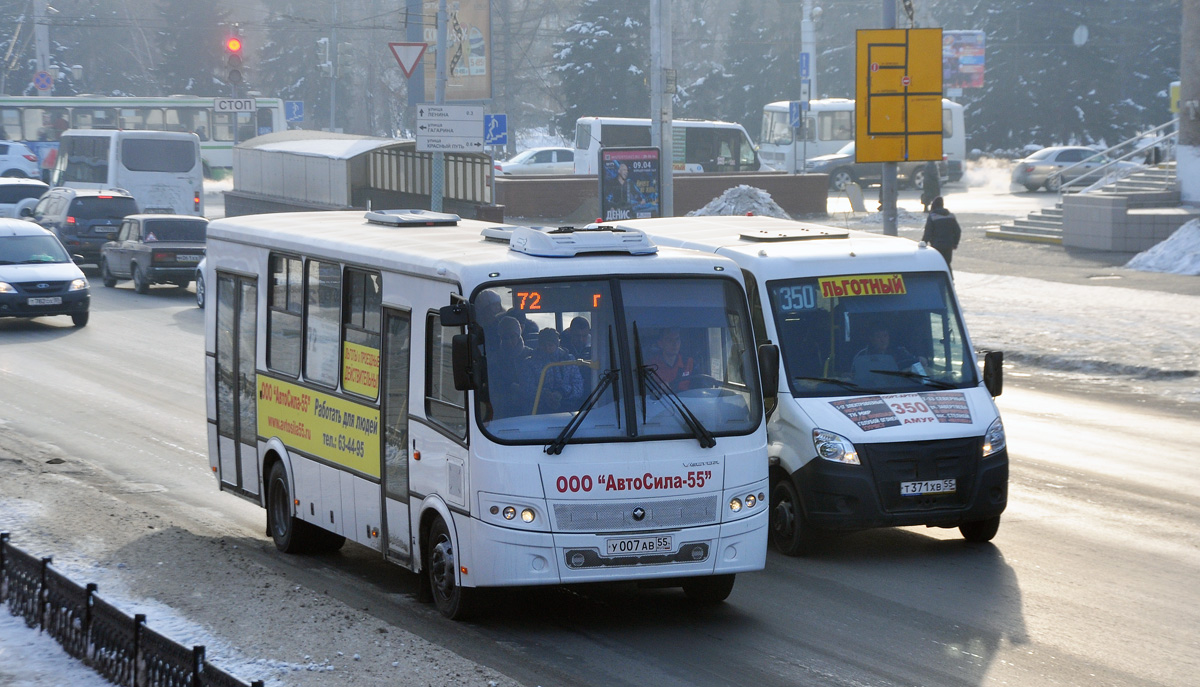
x=834, y=447
x=735, y=504
x=527, y=515
x=994, y=439
x=509, y=512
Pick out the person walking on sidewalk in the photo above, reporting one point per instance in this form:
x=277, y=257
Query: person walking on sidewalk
x=941, y=229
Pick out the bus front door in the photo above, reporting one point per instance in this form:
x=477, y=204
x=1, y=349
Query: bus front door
x=237, y=424
x=397, y=534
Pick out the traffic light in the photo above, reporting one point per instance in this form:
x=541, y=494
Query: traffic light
x=324, y=62
x=345, y=58
x=233, y=59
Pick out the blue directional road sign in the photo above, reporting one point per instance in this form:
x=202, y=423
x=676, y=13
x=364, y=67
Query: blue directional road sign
x=293, y=110
x=495, y=129
x=794, y=114
x=804, y=64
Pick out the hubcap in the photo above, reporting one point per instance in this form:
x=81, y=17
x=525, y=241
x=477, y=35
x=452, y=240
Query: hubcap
x=441, y=565
x=783, y=519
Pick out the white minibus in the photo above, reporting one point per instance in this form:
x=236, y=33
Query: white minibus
x=489, y=405
x=883, y=418
x=829, y=126
x=162, y=170
x=697, y=145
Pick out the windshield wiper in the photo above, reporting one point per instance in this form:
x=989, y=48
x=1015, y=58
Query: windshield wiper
x=663, y=390
x=845, y=384
x=936, y=383
x=607, y=379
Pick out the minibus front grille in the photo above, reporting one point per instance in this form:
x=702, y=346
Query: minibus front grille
x=620, y=516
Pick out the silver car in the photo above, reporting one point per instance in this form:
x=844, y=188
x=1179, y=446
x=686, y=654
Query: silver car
x=1045, y=167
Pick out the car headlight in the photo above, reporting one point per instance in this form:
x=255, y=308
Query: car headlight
x=834, y=447
x=6, y=288
x=993, y=439
x=78, y=284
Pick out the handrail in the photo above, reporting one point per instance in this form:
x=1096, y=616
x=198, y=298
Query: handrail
x=1169, y=137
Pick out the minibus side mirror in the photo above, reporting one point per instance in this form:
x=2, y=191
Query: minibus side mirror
x=768, y=370
x=993, y=372
x=460, y=359
x=457, y=314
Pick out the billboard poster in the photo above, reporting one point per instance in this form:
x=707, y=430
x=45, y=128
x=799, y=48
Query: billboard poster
x=962, y=59
x=629, y=183
x=468, y=55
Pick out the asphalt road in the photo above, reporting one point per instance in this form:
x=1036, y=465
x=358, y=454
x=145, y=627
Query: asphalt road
x=1091, y=579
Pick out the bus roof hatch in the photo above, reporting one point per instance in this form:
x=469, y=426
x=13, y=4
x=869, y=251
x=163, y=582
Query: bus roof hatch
x=805, y=232
x=413, y=218
x=566, y=242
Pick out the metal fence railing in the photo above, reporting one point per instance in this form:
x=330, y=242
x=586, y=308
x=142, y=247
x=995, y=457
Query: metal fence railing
x=118, y=646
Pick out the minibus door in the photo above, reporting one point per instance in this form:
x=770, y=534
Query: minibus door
x=394, y=449
x=237, y=393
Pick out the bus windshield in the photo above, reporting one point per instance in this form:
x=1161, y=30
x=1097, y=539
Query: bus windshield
x=871, y=333
x=626, y=358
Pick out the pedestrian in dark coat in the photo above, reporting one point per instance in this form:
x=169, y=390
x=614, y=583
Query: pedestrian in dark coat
x=941, y=229
x=931, y=187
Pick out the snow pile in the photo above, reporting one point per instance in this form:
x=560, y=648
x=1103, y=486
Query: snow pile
x=903, y=216
x=1179, y=254
x=742, y=200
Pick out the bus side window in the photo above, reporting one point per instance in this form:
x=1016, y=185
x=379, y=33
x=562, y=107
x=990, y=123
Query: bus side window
x=361, y=333
x=444, y=405
x=285, y=313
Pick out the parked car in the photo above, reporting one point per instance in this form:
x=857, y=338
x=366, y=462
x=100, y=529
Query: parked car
x=19, y=196
x=17, y=160
x=842, y=169
x=1045, y=168
x=539, y=161
x=83, y=218
x=38, y=278
x=154, y=249
x=200, y=284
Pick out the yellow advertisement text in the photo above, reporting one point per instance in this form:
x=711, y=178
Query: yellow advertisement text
x=319, y=424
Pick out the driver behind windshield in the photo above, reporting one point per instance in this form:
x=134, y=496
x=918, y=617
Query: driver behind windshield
x=881, y=355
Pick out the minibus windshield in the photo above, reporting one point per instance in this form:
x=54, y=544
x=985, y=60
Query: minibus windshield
x=870, y=334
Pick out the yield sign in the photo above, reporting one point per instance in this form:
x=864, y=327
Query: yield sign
x=408, y=55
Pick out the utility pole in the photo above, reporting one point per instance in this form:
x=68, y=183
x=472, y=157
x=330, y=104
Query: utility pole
x=439, y=97
x=333, y=76
x=1187, y=152
x=662, y=97
x=888, y=182
x=808, y=46
x=41, y=35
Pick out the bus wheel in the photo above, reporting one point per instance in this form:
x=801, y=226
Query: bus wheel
x=790, y=531
x=981, y=530
x=291, y=535
x=708, y=590
x=451, y=600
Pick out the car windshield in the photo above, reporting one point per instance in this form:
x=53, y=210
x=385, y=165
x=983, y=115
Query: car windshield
x=618, y=359
x=15, y=193
x=1042, y=154
x=871, y=333
x=847, y=149
x=522, y=156
x=31, y=250
x=175, y=230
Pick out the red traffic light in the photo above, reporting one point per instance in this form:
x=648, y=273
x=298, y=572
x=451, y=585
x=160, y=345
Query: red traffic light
x=233, y=44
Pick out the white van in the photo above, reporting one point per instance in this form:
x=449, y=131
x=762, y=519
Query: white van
x=162, y=170
x=882, y=416
x=698, y=145
x=830, y=126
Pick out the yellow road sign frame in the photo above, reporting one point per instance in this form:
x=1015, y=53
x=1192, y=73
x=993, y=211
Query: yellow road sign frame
x=898, y=116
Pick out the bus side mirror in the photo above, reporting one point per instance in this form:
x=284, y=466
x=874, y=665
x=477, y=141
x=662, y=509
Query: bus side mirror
x=993, y=372
x=457, y=314
x=460, y=359
x=768, y=370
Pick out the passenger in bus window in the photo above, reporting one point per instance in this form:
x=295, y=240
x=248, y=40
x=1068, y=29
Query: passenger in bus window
x=669, y=363
x=554, y=388
x=506, y=361
x=576, y=338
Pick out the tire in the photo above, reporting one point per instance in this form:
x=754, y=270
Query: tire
x=290, y=534
x=200, y=290
x=839, y=178
x=16, y=173
x=141, y=282
x=1053, y=183
x=453, y=601
x=791, y=532
x=918, y=180
x=1031, y=187
x=79, y=319
x=106, y=276
x=980, y=531
x=708, y=590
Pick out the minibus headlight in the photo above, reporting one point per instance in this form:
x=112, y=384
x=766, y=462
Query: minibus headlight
x=509, y=512
x=750, y=500
x=834, y=447
x=993, y=439
x=527, y=515
x=735, y=504
x=78, y=284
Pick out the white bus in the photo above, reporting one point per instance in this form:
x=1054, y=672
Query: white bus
x=883, y=418
x=697, y=145
x=162, y=170
x=369, y=379
x=40, y=121
x=829, y=126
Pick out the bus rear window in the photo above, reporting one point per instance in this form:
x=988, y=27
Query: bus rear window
x=151, y=155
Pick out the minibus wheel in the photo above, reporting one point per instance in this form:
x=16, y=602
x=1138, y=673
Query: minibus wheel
x=711, y=589
x=981, y=530
x=791, y=532
x=452, y=600
x=289, y=533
